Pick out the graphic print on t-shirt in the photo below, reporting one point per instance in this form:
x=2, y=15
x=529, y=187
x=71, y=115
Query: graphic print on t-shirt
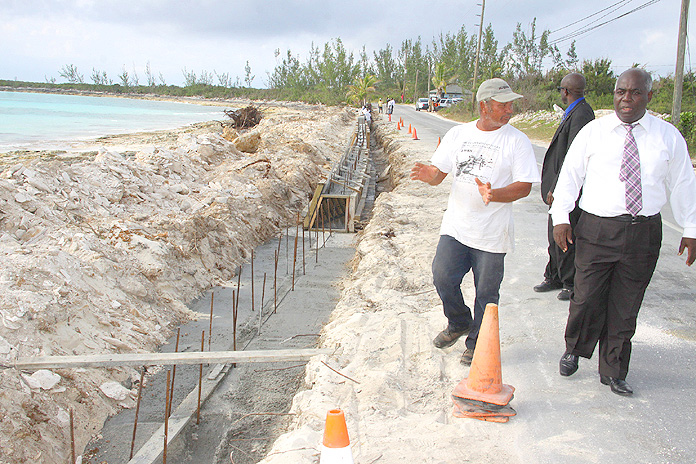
x=476, y=160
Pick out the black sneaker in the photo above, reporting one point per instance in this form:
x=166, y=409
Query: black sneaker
x=547, y=285
x=448, y=337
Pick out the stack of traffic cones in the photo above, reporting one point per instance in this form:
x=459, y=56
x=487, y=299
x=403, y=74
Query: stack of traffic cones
x=482, y=395
x=335, y=448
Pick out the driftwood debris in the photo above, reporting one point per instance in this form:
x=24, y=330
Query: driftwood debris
x=245, y=117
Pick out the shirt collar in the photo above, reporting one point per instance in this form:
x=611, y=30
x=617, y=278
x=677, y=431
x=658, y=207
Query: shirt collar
x=643, y=122
x=571, y=106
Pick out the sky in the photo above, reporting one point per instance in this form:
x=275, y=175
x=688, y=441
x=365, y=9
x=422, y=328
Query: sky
x=39, y=38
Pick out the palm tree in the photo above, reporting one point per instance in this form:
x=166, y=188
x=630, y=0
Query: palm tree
x=361, y=89
x=442, y=76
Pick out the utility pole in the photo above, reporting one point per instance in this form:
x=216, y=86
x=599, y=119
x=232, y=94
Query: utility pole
x=415, y=89
x=679, y=72
x=430, y=74
x=478, y=53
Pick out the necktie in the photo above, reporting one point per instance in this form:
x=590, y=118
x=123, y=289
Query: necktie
x=630, y=173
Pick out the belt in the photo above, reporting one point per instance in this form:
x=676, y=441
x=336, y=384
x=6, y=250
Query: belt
x=634, y=219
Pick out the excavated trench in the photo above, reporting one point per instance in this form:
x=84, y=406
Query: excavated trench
x=249, y=407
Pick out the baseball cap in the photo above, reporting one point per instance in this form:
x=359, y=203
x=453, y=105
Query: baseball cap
x=498, y=90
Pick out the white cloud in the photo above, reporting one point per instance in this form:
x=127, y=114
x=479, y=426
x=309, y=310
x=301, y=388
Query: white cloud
x=37, y=38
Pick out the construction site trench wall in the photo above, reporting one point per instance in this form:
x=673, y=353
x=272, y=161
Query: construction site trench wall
x=244, y=408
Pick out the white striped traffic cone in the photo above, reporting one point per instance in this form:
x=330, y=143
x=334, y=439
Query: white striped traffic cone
x=335, y=448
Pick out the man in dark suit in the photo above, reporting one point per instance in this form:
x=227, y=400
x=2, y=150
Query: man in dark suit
x=560, y=270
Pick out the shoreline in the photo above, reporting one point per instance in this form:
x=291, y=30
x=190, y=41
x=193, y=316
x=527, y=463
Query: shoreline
x=134, y=96
x=103, y=252
x=91, y=143
x=87, y=143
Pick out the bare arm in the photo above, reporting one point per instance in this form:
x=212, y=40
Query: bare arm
x=506, y=194
x=427, y=173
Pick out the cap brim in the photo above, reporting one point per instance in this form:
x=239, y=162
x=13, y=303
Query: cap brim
x=508, y=97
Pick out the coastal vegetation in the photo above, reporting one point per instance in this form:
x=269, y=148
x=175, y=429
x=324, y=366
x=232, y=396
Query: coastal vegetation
x=331, y=74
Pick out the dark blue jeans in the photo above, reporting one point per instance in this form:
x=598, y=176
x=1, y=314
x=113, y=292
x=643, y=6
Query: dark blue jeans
x=452, y=262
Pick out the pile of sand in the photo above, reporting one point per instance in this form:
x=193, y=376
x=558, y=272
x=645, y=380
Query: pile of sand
x=102, y=251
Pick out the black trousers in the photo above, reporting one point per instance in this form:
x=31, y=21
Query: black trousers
x=561, y=265
x=615, y=260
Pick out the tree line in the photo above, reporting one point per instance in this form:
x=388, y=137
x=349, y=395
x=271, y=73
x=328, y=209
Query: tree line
x=331, y=74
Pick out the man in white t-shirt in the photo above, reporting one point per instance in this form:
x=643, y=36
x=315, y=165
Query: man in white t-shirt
x=493, y=164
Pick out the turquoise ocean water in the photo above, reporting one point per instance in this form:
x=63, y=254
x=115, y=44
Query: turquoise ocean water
x=33, y=121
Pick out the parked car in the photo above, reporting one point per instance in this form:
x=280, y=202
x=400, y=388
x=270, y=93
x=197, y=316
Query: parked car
x=422, y=104
x=444, y=103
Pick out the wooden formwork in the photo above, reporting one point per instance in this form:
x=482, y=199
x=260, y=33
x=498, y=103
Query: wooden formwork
x=338, y=202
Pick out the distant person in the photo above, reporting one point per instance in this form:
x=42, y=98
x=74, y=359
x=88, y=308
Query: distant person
x=493, y=164
x=379, y=105
x=365, y=111
x=390, y=105
x=627, y=164
x=560, y=270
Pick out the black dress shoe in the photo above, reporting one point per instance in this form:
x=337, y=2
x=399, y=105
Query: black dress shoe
x=564, y=295
x=618, y=386
x=568, y=364
x=547, y=285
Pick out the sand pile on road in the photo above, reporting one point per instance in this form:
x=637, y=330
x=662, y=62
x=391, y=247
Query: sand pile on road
x=102, y=252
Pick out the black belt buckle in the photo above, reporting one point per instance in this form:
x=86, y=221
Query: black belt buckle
x=639, y=219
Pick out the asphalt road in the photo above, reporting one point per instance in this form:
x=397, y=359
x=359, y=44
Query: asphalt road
x=576, y=419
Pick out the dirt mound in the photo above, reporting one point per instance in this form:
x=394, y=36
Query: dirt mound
x=102, y=252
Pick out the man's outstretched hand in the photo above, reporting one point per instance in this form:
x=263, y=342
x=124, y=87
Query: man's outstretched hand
x=427, y=173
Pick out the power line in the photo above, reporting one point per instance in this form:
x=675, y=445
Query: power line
x=588, y=17
x=588, y=28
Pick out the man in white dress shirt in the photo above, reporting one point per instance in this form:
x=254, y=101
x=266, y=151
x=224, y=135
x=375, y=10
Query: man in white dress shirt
x=625, y=164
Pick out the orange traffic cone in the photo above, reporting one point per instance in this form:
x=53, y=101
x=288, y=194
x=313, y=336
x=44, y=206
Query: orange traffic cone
x=335, y=448
x=415, y=137
x=409, y=129
x=389, y=117
x=482, y=395
x=439, y=139
x=398, y=125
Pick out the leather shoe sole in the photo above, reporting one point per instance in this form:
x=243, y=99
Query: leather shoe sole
x=467, y=357
x=618, y=386
x=568, y=364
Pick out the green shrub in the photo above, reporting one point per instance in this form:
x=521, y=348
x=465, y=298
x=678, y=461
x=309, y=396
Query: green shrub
x=687, y=127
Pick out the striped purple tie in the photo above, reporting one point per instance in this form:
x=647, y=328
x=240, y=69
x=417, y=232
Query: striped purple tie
x=630, y=173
